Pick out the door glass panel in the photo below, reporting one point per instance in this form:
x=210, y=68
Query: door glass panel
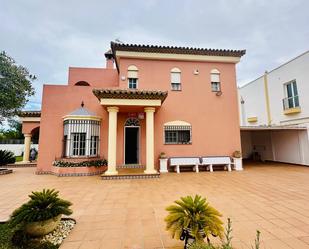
x=289, y=90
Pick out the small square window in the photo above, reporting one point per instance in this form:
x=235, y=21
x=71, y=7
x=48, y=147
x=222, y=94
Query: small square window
x=132, y=83
x=176, y=86
x=215, y=87
x=177, y=135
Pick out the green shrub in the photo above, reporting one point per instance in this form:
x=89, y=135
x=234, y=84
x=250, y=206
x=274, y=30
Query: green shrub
x=196, y=215
x=41, y=206
x=6, y=157
x=95, y=163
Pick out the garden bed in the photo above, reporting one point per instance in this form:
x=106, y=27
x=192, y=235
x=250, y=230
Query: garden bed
x=52, y=240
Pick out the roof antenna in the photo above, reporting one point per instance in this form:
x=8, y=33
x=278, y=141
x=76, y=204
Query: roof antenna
x=82, y=104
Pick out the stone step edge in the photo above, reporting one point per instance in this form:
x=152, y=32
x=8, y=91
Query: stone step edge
x=129, y=176
x=21, y=165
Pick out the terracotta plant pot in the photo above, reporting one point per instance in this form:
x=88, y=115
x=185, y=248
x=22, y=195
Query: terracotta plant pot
x=40, y=228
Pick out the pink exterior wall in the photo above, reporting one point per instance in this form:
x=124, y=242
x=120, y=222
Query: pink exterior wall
x=214, y=119
x=28, y=127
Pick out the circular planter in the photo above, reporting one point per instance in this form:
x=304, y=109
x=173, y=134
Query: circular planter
x=40, y=228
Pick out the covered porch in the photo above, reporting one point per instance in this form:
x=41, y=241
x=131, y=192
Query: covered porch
x=135, y=108
x=31, y=130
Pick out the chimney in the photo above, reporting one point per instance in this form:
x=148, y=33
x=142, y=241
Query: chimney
x=109, y=59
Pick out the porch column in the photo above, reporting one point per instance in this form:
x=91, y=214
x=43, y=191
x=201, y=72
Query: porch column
x=27, y=143
x=112, y=140
x=150, y=140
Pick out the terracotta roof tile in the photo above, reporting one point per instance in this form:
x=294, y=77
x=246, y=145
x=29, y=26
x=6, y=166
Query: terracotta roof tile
x=25, y=114
x=176, y=50
x=129, y=94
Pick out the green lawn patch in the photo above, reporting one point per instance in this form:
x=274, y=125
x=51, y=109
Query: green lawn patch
x=19, y=158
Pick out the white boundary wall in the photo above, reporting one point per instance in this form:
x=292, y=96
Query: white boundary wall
x=17, y=149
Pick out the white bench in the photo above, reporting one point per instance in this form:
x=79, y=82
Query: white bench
x=185, y=161
x=217, y=160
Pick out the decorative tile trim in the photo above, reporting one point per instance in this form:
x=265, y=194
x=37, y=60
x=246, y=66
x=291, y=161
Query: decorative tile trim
x=69, y=174
x=6, y=171
x=131, y=166
x=21, y=165
x=126, y=177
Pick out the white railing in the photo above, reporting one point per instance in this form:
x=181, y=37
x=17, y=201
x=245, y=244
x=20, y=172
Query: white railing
x=290, y=102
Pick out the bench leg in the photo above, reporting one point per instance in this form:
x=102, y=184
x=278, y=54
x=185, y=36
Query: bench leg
x=211, y=168
x=196, y=169
x=177, y=169
x=229, y=167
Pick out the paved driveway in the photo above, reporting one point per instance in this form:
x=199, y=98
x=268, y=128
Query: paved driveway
x=273, y=198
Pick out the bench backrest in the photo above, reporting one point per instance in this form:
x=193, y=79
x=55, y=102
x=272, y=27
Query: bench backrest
x=216, y=160
x=184, y=161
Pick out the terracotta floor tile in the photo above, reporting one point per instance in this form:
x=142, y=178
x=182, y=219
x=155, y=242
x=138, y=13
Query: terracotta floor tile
x=271, y=197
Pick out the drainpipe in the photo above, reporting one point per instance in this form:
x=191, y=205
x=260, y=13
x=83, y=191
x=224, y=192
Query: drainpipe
x=267, y=98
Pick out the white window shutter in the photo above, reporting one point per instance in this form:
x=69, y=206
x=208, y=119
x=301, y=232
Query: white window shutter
x=215, y=77
x=175, y=77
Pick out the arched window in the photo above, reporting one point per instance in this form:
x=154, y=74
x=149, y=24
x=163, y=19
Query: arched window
x=176, y=79
x=177, y=132
x=82, y=83
x=132, y=77
x=132, y=122
x=215, y=80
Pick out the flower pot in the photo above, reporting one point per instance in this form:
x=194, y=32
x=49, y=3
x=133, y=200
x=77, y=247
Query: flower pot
x=163, y=165
x=40, y=228
x=237, y=163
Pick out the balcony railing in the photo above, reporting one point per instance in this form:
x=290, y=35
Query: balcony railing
x=291, y=102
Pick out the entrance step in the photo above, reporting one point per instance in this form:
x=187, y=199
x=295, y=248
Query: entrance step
x=131, y=166
x=133, y=173
x=20, y=165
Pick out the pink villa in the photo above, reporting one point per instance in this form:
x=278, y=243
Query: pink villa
x=148, y=100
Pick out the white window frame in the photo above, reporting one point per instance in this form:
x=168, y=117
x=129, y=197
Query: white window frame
x=294, y=98
x=215, y=80
x=136, y=83
x=77, y=144
x=175, y=79
x=173, y=129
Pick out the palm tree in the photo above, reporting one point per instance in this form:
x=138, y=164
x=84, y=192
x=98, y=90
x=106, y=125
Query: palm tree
x=195, y=215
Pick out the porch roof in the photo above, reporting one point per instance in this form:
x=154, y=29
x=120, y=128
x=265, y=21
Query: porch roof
x=29, y=114
x=130, y=94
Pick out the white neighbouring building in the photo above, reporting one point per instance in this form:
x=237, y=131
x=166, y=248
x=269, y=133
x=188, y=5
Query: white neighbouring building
x=274, y=113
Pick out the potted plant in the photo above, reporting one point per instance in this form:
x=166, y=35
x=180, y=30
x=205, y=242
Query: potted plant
x=163, y=162
x=194, y=216
x=237, y=158
x=42, y=213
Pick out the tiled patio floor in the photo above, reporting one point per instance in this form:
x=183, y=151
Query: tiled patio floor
x=273, y=198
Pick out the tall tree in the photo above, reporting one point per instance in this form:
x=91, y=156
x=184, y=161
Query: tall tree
x=15, y=86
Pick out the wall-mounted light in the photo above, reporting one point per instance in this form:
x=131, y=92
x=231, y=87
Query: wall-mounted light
x=196, y=72
x=123, y=78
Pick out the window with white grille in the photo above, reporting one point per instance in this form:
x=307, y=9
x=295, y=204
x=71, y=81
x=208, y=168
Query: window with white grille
x=177, y=134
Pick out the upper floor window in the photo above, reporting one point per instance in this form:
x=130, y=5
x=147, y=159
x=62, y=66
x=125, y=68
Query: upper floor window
x=291, y=99
x=132, y=77
x=176, y=79
x=132, y=83
x=82, y=83
x=215, y=80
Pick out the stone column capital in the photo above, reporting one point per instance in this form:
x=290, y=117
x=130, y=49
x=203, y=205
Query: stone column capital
x=149, y=109
x=112, y=109
x=27, y=135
